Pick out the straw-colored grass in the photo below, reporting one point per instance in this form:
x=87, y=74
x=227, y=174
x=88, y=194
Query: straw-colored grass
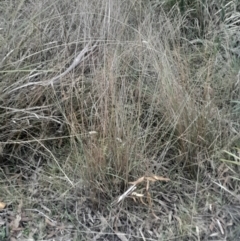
x=96, y=94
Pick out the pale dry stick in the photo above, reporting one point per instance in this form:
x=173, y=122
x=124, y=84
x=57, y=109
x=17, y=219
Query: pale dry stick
x=140, y=230
x=124, y=195
x=31, y=114
x=76, y=62
x=41, y=213
x=121, y=236
x=130, y=192
x=42, y=139
x=224, y=188
x=80, y=58
x=220, y=227
x=7, y=55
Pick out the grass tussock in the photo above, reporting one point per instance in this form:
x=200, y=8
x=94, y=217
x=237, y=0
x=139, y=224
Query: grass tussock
x=155, y=91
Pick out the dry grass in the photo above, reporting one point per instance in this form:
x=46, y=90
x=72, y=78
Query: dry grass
x=97, y=94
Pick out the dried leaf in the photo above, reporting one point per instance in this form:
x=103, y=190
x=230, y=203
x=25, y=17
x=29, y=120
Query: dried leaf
x=121, y=236
x=151, y=179
x=139, y=180
x=135, y=194
x=2, y=205
x=161, y=178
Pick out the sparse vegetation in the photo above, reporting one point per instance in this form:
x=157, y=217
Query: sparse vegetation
x=153, y=89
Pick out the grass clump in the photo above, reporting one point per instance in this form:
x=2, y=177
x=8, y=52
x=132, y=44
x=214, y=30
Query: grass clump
x=153, y=90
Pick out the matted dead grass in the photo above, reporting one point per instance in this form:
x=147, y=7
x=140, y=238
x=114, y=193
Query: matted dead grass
x=96, y=95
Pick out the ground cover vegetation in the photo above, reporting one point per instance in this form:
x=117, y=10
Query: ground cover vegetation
x=119, y=120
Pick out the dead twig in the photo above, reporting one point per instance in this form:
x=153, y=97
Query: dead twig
x=130, y=191
x=84, y=54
